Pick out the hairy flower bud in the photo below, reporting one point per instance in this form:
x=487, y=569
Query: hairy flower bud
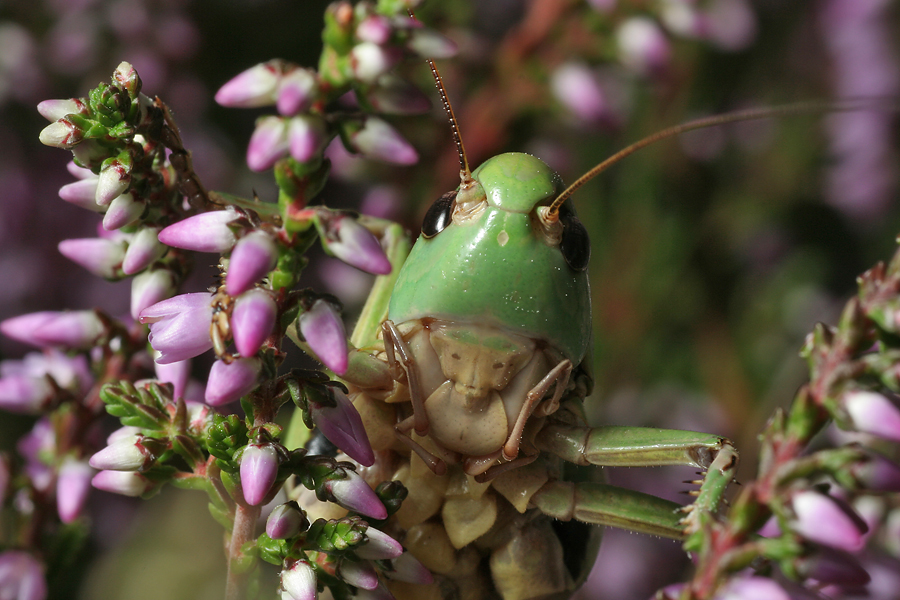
x=259, y=469
x=252, y=320
x=228, y=382
x=253, y=256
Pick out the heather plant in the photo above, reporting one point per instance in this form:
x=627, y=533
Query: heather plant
x=816, y=517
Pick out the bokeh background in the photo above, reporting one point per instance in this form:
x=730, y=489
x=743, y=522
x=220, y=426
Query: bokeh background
x=713, y=254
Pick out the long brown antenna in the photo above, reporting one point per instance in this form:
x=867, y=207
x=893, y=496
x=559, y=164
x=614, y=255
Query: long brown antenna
x=742, y=115
x=465, y=175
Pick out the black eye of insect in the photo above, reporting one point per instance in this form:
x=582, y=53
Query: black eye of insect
x=574, y=245
x=438, y=216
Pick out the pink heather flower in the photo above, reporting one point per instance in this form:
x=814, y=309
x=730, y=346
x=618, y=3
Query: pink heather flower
x=21, y=576
x=68, y=329
x=99, y=256
x=298, y=582
x=376, y=139
x=268, y=143
x=284, y=521
x=254, y=87
x=228, y=382
x=38, y=443
x=125, y=453
x=369, y=61
x=358, y=573
x=206, y=232
x=407, y=567
x=259, y=469
x=323, y=329
x=253, y=257
x=179, y=326
x=576, y=87
x=177, y=373
x=396, y=96
x=126, y=483
x=143, y=250
x=353, y=493
x=349, y=241
x=751, y=588
x=643, y=46
x=82, y=193
x=150, y=287
x=53, y=110
x=123, y=210
x=428, y=43
x=252, y=320
x=873, y=413
x=343, y=427
x=296, y=91
x=380, y=546
x=878, y=474
x=23, y=394
x=72, y=487
x=826, y=565
x=306, y=136
x=828, y=521
x=374, y=28
x=114, y=179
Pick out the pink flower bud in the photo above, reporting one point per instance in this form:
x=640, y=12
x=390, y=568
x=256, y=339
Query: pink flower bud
x=206, y=232
x=751, y=588
x=380, y=546
x=353, y=493
x=577, y=88
x=359, y=574
x=878, y=474
x=126, y=483
x=826, y=565
x=268, y=143
x=22, y=576
x=125, y=453
x=376, y=139
x=123, y=210
x=428, y=43
x=259, y=469
x=873, y=413
x=99, y=256
x=177, y=373
x=72, y=487
x=254, y=87
x=407, y=567
x=643, y=46
x=63, y=134
x=375, y=29
x=228, y=382
x=24, y=395
x=284, y=521
x=82, y=194
x=343, y=427
x=349, y=241
x=323, y=329
x=253, y=256
x=379, y=593
x=69, y=329
x=827, y=521
x=53, y=110
x=252, y=320
x=369, y=61
x=296, y=91
x=179, y=326
x=298, y=582
x=114, y=179
x=306, y=135
x=143, y=250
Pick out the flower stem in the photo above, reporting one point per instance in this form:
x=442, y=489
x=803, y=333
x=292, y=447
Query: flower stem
x=244, y=529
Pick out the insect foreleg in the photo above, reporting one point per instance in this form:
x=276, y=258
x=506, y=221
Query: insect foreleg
x=559, y=375
x=395, y=345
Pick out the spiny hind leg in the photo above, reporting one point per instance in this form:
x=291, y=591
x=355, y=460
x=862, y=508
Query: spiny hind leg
x=558, y=375
x=400, y=361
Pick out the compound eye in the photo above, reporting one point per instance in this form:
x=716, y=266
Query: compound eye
x=574, y=245
x=438, y=216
